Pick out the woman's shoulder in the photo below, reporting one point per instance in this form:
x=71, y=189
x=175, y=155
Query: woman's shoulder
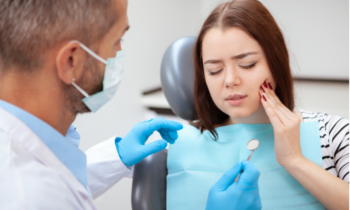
x=187, y=128
x=323, y=118
x=334, y=136
x=188, y=132
x=188, y=137
x=329, y=125
x=309, y=116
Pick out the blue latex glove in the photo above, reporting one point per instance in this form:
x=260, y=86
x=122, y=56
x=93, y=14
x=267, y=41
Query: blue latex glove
x=132, y=148
x=227, y=194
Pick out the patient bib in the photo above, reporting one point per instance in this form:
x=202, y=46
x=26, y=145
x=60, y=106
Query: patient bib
x=196, y=162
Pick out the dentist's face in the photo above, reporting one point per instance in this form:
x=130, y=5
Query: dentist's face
x=93, y=73
x=234, y=68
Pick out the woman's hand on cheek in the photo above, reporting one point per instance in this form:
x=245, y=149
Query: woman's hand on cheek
x=286, y=127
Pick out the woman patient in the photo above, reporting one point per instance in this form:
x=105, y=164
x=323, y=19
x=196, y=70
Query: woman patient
x=243, y=85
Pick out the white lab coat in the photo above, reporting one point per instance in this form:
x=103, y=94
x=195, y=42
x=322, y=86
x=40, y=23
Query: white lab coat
x=32, y=177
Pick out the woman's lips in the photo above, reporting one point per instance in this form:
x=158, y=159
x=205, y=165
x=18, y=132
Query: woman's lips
x=235, y=100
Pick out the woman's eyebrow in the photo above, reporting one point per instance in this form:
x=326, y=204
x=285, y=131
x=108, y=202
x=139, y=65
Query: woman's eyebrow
x=240, y=56
x=212, y=61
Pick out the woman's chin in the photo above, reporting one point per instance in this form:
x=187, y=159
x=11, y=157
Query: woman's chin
x=242, y=113
x=239, y=114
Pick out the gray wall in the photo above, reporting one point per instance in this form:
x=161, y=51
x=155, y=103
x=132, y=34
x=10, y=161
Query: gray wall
x=317, y=35
x=157, y=23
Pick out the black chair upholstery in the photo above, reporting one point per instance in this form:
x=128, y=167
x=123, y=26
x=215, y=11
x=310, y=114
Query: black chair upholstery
x=149, y=182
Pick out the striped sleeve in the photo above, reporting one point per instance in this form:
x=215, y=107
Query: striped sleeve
x=337, y=129
x=334, y=137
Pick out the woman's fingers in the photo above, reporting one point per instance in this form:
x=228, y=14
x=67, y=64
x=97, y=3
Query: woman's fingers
x=273, y=97
x=273, y=113
x=286, y=126
x=275, y=120
x=276, y=103
x=272, y=108
x=280, y=105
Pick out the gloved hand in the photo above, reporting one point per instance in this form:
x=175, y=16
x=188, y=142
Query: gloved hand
x=227, y=194
x=132, y=148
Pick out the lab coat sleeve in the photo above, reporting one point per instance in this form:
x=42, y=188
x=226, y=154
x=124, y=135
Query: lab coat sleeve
x=104, y=167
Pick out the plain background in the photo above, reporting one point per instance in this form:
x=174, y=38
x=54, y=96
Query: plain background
x=316, y=32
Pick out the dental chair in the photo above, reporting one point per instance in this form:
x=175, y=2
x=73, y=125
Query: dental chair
x=177, y=78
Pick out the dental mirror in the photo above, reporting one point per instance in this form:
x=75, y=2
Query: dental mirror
x=252, y=145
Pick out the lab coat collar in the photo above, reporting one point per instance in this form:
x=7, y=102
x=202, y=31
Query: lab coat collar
x=73, y=158
x=73, y=136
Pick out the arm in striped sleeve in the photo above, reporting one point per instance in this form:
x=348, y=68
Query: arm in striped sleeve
x=338, y=129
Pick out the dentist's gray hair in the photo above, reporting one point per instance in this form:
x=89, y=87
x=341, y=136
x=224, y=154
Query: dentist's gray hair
x=29, y=28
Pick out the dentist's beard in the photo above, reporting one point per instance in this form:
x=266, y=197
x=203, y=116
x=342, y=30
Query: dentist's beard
x=91, y=81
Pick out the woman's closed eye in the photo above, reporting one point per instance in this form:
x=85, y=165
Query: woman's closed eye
x=214, y=72
x=248, y=66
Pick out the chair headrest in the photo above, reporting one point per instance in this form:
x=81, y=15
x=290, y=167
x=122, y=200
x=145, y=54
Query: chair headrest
x=177, y=77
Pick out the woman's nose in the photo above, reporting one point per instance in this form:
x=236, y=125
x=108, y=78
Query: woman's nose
x=232, y=78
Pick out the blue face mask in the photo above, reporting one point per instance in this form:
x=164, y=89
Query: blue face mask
x=111, y=80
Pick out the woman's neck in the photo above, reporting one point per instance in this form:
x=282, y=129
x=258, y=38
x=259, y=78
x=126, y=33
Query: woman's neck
x=258, y=117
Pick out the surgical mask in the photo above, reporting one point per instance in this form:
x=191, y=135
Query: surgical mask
x=111, y=80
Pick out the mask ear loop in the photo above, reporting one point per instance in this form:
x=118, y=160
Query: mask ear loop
x=90, y=52
x=93, y=55
x=79, y=89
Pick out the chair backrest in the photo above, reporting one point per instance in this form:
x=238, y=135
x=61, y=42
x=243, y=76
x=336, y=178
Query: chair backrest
x=177, y=78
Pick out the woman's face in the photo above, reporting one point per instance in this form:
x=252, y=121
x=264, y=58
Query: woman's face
x=234, y=67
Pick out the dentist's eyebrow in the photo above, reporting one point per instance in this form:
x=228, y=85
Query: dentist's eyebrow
x=126, y=29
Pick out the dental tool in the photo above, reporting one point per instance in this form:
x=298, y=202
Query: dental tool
x=252, y=145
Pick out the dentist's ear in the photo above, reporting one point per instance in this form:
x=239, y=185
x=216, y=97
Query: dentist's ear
x=70, y=62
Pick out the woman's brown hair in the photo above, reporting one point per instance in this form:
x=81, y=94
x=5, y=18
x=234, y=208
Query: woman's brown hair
x=252, y=17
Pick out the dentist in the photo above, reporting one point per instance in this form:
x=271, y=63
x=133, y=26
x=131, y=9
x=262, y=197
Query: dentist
x=58, y=59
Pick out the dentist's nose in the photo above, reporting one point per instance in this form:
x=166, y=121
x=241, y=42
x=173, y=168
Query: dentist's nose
x=119, y=46
x=232, y=78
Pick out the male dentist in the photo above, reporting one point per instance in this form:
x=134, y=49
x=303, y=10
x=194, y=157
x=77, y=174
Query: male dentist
x=58, y=59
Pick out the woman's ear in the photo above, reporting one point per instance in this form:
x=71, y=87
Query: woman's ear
x=70, y=62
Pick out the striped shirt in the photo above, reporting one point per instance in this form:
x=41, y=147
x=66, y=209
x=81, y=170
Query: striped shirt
x=334, y=136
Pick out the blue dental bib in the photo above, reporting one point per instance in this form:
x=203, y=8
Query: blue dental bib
x=196, y=162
